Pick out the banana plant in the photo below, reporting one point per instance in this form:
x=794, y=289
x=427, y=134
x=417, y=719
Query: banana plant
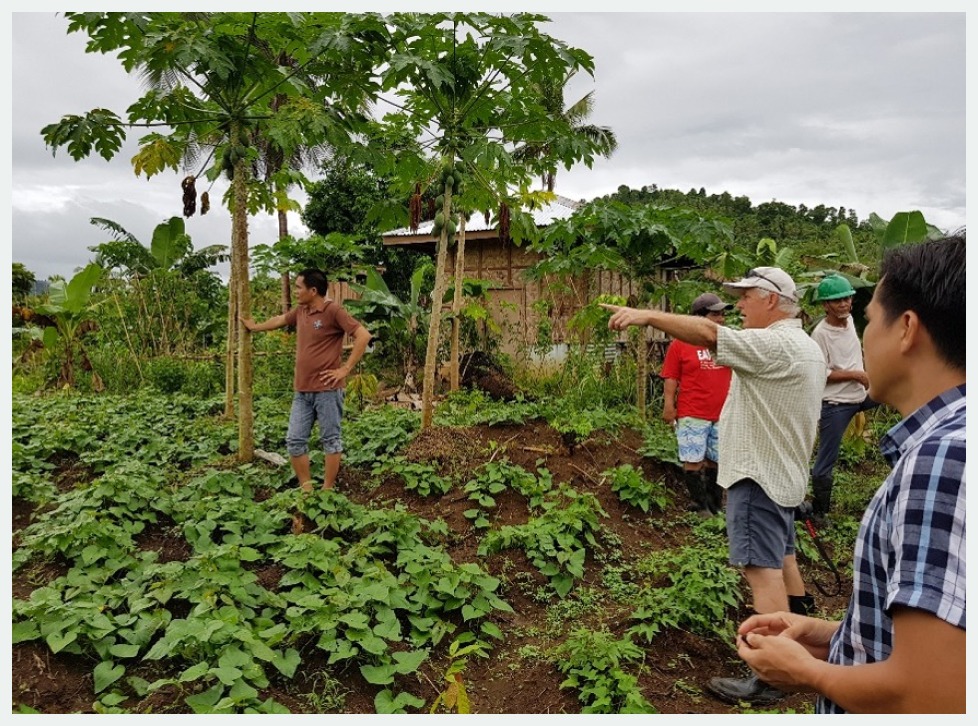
x=70, y=313
x=170, y=249
x=398, y=323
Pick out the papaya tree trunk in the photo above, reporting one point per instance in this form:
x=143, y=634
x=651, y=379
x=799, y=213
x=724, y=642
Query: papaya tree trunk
x=239, y=237
x=431, y=354
x=283, y=232
x=232, y=342
x=457, y=302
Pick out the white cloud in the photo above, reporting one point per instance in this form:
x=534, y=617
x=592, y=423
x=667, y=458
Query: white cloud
x=864, y=110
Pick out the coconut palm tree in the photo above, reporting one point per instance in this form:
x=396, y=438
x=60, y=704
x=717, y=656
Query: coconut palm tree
x=551, y=93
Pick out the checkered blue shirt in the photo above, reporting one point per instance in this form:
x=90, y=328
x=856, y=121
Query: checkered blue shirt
x=911, y=545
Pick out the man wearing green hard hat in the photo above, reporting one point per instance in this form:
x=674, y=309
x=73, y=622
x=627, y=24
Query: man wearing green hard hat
x=845, y=383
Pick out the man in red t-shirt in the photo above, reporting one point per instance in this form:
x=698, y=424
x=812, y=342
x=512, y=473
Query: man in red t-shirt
x=320, y=374
x=702, y=386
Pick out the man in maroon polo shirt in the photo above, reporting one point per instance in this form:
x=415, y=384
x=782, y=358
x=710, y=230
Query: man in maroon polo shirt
x=320, y=374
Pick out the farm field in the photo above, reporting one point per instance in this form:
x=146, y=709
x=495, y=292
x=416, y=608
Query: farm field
x=491, y=563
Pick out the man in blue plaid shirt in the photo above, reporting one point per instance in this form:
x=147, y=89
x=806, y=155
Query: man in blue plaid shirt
x=901, y=646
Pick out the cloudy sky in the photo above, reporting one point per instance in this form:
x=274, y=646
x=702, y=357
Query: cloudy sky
x=861, y=110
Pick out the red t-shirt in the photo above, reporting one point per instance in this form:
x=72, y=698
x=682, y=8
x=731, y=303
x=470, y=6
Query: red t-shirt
x=703, y=384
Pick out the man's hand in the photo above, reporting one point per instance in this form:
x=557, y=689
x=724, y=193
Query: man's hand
x=623, y=317
x=813, y=634
x=777, y=660
x=861, y=378
x=669, y=414
x=248, y=322
x=334, y=376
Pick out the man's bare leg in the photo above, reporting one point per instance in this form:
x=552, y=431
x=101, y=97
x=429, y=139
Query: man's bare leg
x=332, y=467
x=793, y=582
x=300, y=465
x=767, y=588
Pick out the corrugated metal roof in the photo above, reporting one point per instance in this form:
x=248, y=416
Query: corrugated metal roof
x=560, y=208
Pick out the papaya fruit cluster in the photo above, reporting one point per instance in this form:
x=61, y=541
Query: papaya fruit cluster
x=450, y=181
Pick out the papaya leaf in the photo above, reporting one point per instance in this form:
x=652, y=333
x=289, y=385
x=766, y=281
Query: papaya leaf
x=99, y=129
x=157, y=154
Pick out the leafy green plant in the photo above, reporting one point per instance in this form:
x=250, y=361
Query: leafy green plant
x=455, y=698
x=472, y=407
x=633, y=488
x=556, y=542
x=421, y=478
x=377, y=433
x=660, y=443
x=593, y=662
x=71, y=312
x=495, y=477
x=691, y=587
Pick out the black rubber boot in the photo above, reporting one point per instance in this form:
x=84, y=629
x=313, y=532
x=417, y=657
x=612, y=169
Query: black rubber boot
x=714, y=492
x=746, y=690
x=695, y=483
x=801, y=604
x=821, y=496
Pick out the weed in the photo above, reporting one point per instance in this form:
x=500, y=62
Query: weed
x=327, y=694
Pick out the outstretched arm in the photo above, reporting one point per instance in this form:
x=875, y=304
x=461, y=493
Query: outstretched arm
x=690, y=328
x=271, y=324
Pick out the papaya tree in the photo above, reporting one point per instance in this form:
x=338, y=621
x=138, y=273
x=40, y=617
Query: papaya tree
x=632, y=240
x=465, y=88
x=216, y=84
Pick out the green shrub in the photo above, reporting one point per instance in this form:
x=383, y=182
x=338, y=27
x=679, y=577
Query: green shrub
x=166, y=374
x=592, y=661
x=633, y=488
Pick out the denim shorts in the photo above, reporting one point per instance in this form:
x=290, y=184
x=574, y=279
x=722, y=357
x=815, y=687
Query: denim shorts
x=760, y=531
x=697, y=439
x=323, y=406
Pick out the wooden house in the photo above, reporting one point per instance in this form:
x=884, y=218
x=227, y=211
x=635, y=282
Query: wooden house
x=513, y=303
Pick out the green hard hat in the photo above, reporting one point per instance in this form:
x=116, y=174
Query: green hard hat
x=833, y=287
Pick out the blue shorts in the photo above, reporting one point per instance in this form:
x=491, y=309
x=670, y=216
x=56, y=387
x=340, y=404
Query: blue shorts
x=323, y=406
x=697, y=439
x=760, y=532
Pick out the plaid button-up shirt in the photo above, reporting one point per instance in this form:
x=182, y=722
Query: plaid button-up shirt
x=911, y=545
